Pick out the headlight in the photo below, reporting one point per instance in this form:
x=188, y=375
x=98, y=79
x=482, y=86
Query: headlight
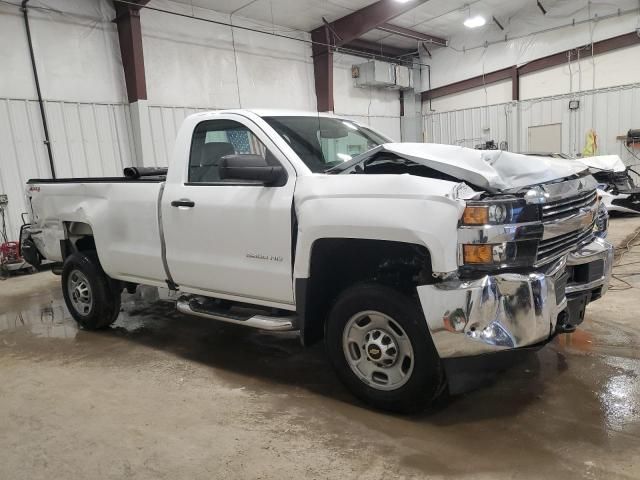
x=497, y=233
x=499, y=212
x=488, y=254
x=513, y=254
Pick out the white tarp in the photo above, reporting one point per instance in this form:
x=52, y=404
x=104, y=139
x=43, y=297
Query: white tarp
x=486, y=169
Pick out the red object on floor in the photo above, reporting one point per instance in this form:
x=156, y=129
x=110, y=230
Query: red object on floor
x=9, y=252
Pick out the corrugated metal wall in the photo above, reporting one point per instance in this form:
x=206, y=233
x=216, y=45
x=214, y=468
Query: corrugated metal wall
x=88, y=139
x=610, y=112
x=472, y=126
x=164, y=123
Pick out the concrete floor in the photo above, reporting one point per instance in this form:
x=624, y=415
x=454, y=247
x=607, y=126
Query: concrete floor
x=161, y=395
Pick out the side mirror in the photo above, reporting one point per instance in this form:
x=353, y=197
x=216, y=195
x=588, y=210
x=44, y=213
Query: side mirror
x=251, y=167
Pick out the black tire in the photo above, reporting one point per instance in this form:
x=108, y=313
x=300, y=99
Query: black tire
x=425, y=381
x=30, y=253
x=104, y=307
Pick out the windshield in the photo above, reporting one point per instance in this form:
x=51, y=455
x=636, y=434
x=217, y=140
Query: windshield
x=323, y=143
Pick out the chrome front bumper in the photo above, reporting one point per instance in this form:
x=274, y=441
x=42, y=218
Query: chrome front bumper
x=507, y=311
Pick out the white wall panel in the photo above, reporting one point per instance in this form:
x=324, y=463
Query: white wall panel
x=610, y=112
x=472, y=126
x=87, y=140
x=164, y=123
x=469, y=57
x=494, y=93
x=76, y=49
x=193, y=62
x=611, y=69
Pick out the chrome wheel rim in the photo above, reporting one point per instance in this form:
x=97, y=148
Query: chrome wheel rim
x=378, y=350
x=79, y=291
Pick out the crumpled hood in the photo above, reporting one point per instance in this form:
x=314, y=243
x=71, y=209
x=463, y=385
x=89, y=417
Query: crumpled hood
x=608, y=163
x=492, y=170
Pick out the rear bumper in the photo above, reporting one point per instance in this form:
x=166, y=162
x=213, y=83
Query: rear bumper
x=511, y=311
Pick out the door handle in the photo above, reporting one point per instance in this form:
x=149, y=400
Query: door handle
x=183, y=202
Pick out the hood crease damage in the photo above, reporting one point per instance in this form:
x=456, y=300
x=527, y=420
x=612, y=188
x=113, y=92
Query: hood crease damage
x=490, y=170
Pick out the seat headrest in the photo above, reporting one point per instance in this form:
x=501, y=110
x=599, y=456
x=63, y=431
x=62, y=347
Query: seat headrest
x=213, y=151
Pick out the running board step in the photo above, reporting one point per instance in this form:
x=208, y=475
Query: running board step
x=193, y=306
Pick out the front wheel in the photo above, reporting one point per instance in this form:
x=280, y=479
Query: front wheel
x=377, y=341
x=91, y=296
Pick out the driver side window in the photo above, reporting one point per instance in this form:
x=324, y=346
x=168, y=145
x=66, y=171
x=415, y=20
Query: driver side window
x=214, y=139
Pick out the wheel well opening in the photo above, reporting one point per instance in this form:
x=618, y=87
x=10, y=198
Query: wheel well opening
x=80, y=237
x=337, y=263
x=86, y=243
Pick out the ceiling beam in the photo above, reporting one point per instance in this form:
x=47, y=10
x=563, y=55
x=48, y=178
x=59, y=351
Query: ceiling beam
x=468, y=84
x=374, y=48
x=408, y=33
x=368, y=18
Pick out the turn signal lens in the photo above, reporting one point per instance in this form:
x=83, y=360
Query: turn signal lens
x=475, y=215
x=477, y=254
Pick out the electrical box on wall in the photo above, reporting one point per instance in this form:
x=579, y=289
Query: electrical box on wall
x=403, y=77
x=375, y=74
x=574, y=104
x=381, y=75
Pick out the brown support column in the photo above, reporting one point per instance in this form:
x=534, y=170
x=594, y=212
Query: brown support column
x=323, y=69
x=130, y=36
x=515, y=83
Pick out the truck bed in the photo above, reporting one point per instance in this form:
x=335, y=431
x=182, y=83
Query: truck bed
x=120, y=212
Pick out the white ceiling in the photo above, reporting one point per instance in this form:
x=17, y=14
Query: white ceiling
x=443, y=18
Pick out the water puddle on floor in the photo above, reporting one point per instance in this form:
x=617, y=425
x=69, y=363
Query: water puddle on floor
x=46, y=315
x=48, y=321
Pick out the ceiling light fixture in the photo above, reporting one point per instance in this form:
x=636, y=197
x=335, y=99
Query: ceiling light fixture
x=474, y=22
x=403, y=1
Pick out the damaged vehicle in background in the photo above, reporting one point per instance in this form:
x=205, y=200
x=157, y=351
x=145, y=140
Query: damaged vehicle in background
x=413, y=262
x=615, y=184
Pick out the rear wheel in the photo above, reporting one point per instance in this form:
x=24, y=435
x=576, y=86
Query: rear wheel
x=92, y=298
x=378, y=342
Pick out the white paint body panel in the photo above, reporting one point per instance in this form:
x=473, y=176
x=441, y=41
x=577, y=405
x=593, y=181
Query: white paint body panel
x=401, y=208
x=218, y=245
x=123, y=217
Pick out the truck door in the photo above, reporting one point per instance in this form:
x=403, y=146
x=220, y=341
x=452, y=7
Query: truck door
x=226, y=238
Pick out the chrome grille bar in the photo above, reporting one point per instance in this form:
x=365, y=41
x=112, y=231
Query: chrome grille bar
x=569, y=206
x=553, y=248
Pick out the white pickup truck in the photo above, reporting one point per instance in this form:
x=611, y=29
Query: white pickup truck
x=408, y=259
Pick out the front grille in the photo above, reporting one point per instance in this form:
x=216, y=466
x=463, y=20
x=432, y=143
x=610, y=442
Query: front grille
x=555, y=247
x=566, y=207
